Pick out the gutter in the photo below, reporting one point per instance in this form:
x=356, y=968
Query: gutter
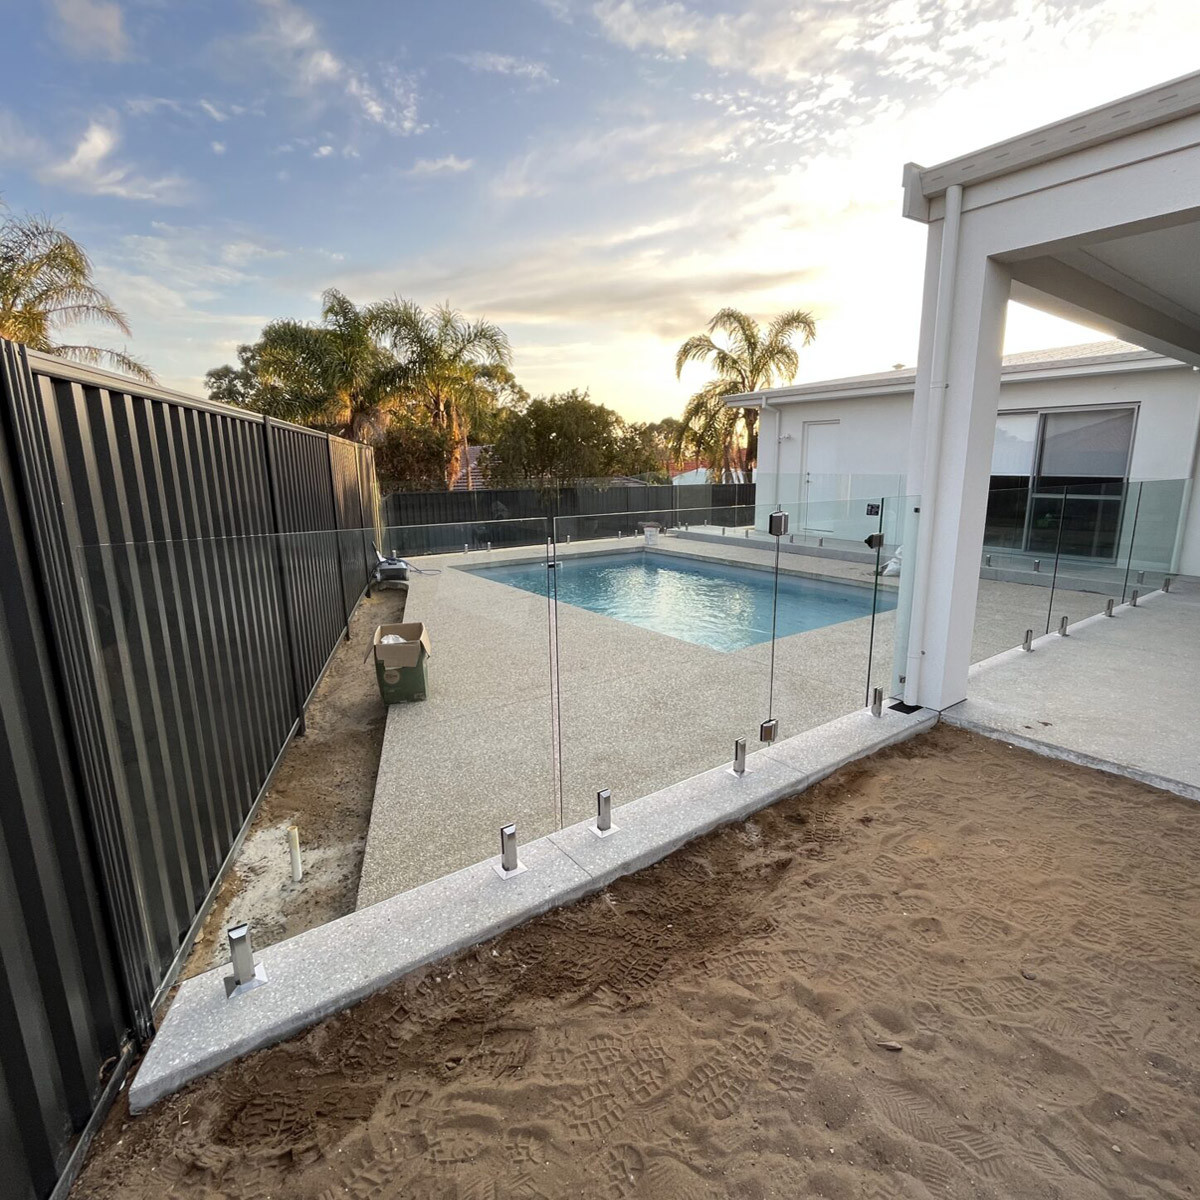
x=947, y=273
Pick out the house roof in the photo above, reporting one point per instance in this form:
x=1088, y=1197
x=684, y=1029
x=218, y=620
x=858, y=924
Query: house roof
x=1158, y=105
x=1091, y=358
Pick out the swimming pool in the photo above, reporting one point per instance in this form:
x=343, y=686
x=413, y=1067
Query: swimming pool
x=709, y=604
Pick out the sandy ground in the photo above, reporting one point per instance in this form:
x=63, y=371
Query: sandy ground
x=952, y=970
x=324, y=785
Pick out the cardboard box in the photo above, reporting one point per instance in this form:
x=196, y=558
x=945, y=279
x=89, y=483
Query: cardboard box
x=408, y=653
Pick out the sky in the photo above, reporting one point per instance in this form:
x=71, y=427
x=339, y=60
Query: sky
x=597, y=176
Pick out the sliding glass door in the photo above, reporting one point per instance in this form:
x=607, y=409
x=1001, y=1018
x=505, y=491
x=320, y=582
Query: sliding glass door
x=1059, y=480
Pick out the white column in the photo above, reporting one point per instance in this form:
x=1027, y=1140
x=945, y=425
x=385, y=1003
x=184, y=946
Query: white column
x=953, y=464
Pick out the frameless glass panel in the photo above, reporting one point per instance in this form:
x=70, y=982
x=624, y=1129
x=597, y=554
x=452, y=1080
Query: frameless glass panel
x=1014, y=583
x=478, y=750
x=905, y=526
x=663, y=634
x=1156, y=540
x=835, y=639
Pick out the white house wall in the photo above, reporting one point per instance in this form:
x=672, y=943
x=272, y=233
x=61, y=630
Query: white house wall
x=874, y=436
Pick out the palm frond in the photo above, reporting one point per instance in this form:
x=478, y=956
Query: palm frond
x=96, y=356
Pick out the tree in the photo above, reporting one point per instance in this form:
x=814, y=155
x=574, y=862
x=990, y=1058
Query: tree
x=46, y=284
x=556, y=439
x=450, y=365
x=412, y=455
x=750, y=360
x=333, y=374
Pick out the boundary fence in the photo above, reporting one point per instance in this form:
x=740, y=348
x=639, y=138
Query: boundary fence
x=574, y=500
x=175, y=576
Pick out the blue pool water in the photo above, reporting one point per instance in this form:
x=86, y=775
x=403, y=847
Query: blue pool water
x=708, y=604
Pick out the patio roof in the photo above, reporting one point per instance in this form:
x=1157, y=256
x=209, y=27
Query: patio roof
x=1156, y=106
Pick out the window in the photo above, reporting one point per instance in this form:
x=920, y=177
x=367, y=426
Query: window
x=1058, y=481
x=1078, y=446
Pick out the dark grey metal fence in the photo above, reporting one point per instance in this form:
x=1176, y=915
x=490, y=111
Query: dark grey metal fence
x=577, y=500
x=175, y=577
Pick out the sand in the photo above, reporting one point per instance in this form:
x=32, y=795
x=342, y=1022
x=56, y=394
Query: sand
x=325, y=784
x=952, y=970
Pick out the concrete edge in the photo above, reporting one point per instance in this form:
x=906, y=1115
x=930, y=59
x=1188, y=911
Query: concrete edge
x=1063, y=754
x=324, y=970
x=1005, y=656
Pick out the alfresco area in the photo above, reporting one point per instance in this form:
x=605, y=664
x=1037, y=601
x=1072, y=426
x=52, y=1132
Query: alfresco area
x=818, y=842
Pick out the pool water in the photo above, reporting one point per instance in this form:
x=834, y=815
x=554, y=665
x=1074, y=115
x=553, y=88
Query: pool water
x=709, y=604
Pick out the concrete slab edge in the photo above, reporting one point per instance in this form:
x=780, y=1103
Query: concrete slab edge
x=1063, y=754
x=327, y=969
x=1044, y=639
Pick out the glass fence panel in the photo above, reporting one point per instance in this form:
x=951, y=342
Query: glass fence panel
x=479, y=751
x=1156, y=540
x=904, y=525
x=663, y=632
x=1017, y=567
x=1088, y=570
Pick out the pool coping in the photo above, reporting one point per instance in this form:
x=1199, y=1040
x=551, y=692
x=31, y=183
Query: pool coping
x=885, y=583
x=325, y=970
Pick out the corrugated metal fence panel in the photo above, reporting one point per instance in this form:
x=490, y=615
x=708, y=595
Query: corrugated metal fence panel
x=435, y=508
x=157, y=650
x=312, y=570
x=35, y=447
x=62, y=1019
x=343, y=459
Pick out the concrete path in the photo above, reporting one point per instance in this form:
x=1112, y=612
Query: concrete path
x=1115, y=694
x=639, y=710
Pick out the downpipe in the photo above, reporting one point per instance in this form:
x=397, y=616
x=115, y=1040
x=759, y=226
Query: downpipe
x=940, y=361
x=1189, y=487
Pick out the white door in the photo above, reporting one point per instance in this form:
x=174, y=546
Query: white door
x=819, y=480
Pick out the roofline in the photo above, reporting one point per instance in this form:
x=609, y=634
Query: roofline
x=1158, y=105
x=903, y=382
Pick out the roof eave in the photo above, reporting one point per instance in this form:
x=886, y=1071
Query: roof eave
x=1131, y=114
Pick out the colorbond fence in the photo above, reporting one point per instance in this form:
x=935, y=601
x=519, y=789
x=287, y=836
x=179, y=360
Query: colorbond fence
x=575, y=500
x=176, y=575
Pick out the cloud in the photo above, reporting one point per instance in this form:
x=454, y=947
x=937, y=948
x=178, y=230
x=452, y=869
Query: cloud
x=322, y=152
x=289, y=43
x=213, y=111
x=450, y=164
x=507, y=64
x=145, y=106
x=91, y=28
x=218, y=147
x=90, y=168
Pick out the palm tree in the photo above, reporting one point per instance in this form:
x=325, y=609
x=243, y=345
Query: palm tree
x=334, y=373
x=46, y=284
x=448, y=364
x=752, y=359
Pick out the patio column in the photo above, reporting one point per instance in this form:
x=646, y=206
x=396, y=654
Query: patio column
x=954, y=425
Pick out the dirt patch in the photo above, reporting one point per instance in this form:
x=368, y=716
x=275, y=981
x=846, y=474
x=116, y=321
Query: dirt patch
x=325, y=785
x=953, y=970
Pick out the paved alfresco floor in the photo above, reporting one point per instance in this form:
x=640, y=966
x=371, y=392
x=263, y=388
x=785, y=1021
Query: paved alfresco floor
x=1119, y=692
x=639, y=710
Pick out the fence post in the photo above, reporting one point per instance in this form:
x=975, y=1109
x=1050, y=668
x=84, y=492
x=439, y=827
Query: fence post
x=289, y=608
